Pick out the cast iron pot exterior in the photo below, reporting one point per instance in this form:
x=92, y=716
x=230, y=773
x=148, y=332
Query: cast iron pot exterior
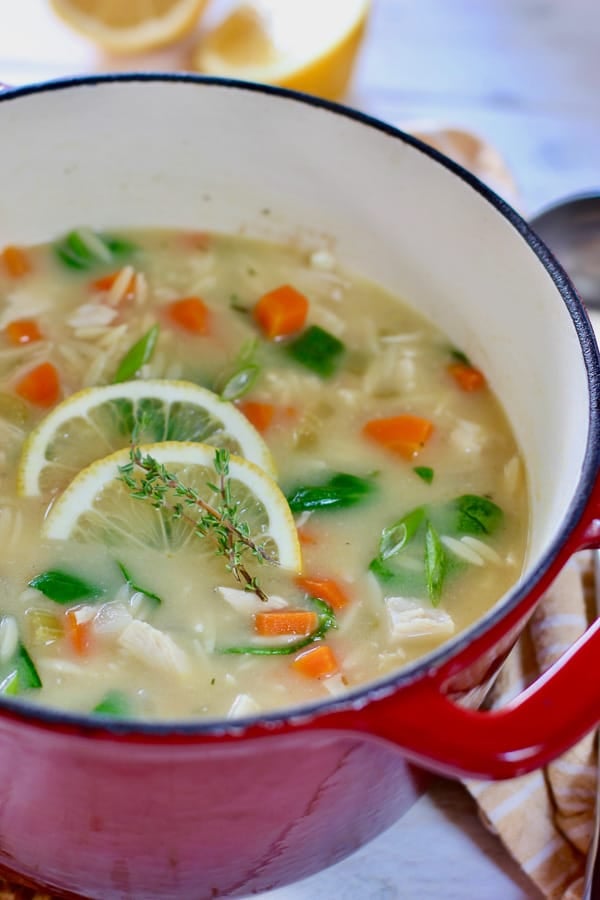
x=179, y=810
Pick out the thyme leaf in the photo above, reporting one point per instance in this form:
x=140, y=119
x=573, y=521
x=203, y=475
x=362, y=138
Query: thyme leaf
x=221, y=522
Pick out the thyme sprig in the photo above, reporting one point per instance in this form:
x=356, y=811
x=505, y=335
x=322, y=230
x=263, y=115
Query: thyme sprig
x=222, y=522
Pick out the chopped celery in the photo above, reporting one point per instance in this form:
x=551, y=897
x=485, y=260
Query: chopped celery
x=43, y=627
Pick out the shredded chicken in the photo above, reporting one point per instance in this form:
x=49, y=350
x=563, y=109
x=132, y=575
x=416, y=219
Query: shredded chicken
x=89, y=315
x=152, y=647
x=408, y=618
x=248, y=602
x=470, y=437
x=243, y=705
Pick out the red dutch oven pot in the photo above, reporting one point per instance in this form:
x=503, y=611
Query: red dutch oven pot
x=216, y=809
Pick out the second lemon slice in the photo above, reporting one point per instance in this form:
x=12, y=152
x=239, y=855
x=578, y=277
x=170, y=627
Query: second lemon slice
x=95, y=422
x=99, y=506
x=306, y=45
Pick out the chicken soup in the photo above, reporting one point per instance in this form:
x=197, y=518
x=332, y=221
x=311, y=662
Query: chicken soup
x=234, y=478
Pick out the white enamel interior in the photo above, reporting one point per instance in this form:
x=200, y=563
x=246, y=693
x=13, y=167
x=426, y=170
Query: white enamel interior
x=207, y=156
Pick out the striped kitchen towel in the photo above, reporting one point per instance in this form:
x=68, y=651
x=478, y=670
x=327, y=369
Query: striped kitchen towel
x=546, y=819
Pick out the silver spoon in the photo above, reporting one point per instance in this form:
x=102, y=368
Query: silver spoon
x=571, y=228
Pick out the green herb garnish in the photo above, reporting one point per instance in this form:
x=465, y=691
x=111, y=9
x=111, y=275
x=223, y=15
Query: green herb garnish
x=236, y=303
x=435, y=563
x=240, y=377
x=396, y=536
x=64, y=588
x=85, y=249
x=339, y=492
x=135, y=586
x=326, y=621
x=317, y=350
x=460, y=357
x=411, y=555
x=240, y=382
x=114, y=703
x=18, y=674
x=137, y=356
x=222, y=522
x=425, y=473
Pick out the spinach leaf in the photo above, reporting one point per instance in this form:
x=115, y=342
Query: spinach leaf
x=340, y=491
x=317, y=350
x=477, y=515
x=62, y=587
x=425, y=473
x=137, y=356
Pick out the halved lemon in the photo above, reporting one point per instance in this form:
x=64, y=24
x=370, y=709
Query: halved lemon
x=99, y=420
x=307, y=45
x=130, y=26
x=99, y=506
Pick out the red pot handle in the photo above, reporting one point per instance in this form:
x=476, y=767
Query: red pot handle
x=545, y=720
x=540, y=724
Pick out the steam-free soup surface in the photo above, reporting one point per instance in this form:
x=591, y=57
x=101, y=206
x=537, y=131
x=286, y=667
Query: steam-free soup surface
x=138, y=590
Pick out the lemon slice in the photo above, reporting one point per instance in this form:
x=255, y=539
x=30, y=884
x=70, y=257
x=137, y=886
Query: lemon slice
x=98, y=506
x=307, y=45
x=130, y=26
x=97, y=421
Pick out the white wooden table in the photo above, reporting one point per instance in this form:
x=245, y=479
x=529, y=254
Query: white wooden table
x=525, y=75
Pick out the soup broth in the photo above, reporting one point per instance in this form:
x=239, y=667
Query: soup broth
x=382, y=510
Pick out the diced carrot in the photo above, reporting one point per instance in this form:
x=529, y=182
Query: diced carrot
x=23, y=331
x=324, y=589
x=285, y=621
x=406, y=435
x=306, y=537
x=259, y=414
x=196, y=240
x=40, y=386
x=281, y=312
x=468, y=378
x=78, y=633
x=190, y=313
x=316, y=662
x=16, y=261
x=107, y=281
